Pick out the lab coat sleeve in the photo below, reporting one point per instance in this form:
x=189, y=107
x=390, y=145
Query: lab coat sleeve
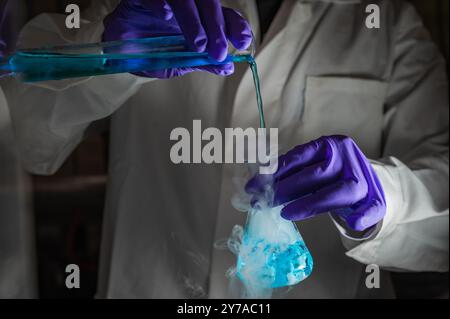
x=414, y=171
x=50, y=118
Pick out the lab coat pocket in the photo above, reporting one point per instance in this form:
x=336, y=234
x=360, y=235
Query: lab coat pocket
x=347, y=106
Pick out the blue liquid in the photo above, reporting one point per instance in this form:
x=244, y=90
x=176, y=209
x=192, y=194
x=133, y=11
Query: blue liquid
x=268, y=265
x=38, y=66
x=259, y=101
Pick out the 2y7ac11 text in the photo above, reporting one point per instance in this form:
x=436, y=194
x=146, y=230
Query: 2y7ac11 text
x=224, y=309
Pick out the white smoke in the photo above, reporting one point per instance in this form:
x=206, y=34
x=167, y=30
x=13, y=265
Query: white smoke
x=270, y=252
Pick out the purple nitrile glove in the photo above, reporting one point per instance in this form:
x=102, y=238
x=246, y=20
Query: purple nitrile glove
x=206, y=25
x=330, y=174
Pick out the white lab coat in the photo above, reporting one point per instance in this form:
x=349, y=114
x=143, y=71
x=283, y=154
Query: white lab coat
x=17, y=251
x=17, y=243
x=322, y=72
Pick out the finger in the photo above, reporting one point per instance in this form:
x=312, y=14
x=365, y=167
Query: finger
x=290, y=163
x=306, y=181
x=165, y=73
x=371, y=212
x=367, y=215
x=188, y=18
x=238, y=30
x=300, y=157
x=376, y=190
x=132, y=24
x=222, y=70
x=259, y=183
x=157, y=8
x=339, y=195
x=214, y=24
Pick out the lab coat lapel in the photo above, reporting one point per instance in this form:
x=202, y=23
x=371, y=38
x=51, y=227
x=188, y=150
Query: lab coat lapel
x=275, y=61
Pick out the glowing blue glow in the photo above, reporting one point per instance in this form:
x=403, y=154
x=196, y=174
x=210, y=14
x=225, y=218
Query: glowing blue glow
x=272, y=253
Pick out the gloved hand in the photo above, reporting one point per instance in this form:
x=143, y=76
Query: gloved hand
x=328, y=174
x=205, y=24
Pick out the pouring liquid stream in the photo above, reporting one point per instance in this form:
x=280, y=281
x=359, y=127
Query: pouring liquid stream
x=259, y=101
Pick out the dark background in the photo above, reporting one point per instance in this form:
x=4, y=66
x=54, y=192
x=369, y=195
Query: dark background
x=69, y=205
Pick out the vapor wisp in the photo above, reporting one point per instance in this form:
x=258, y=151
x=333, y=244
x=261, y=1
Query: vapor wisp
x=270, y=251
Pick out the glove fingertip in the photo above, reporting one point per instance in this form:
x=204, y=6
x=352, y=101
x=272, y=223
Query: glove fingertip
x=250, y=187
x=168, y=15
x=218, y=49
x=244, y=41
x=293, y=213
x=287, y=214
x=260, y=184
x=227, y=69
x=356, y=222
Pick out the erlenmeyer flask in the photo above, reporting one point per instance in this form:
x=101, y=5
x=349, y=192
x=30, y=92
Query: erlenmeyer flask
x=272, y=253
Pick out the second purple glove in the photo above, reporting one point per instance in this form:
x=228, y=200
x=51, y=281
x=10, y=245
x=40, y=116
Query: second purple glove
x=205, y=24
x=330, y=174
